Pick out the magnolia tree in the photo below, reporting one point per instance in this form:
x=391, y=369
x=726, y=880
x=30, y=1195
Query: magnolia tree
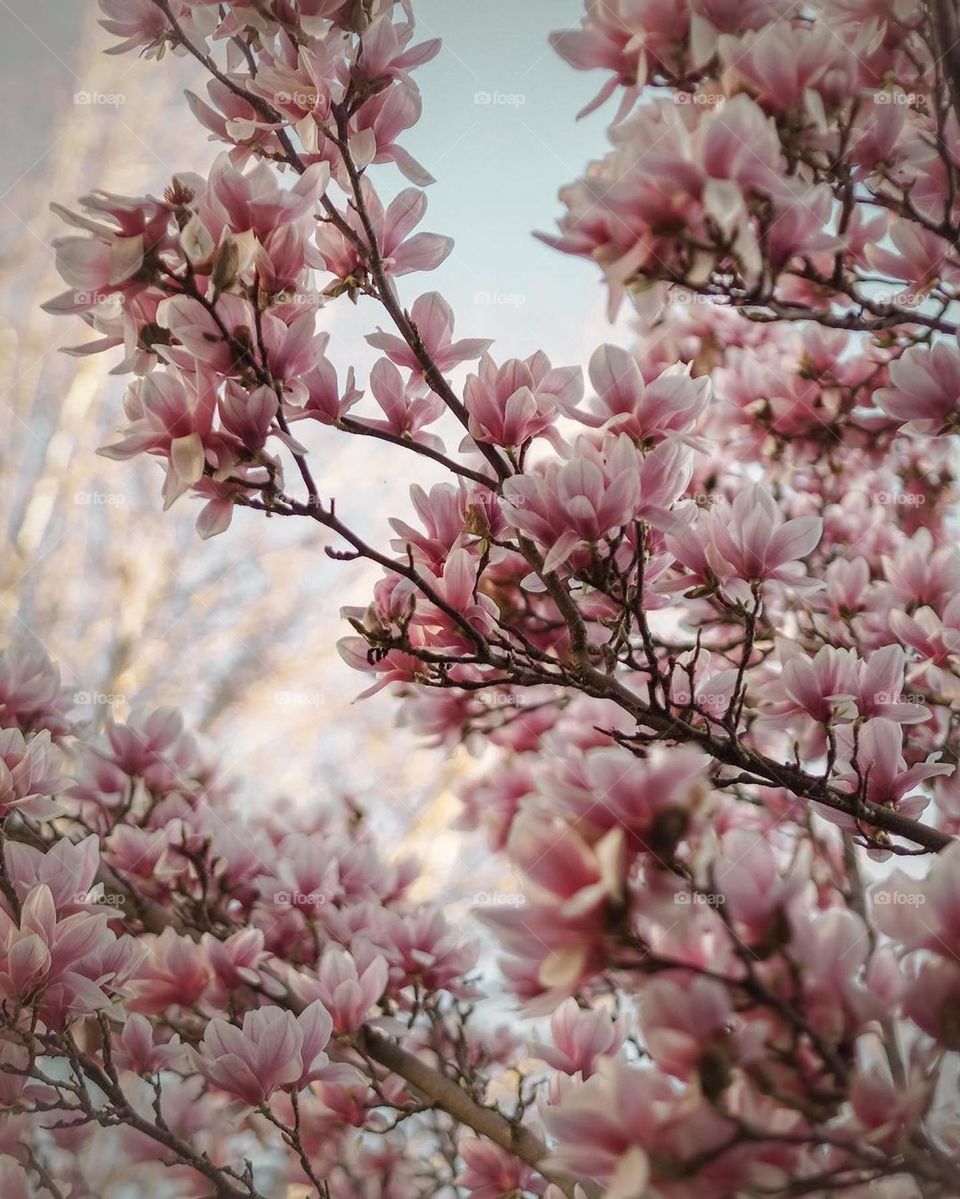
x=700, y=610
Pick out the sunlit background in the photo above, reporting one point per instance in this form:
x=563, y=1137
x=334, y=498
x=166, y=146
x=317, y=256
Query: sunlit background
x=241, y=631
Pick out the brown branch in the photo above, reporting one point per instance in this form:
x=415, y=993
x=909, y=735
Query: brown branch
x=945, y=28
x=450, y=1097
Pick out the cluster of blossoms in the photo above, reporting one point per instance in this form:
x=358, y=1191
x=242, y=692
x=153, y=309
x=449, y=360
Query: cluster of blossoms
x=180, y=981
x=701, y=616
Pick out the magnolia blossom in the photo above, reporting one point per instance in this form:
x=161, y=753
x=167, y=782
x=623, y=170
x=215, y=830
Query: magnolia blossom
x=590, y=498
x=610, y=1126
x=924, y=395
x=648, y=411
x=274, y=1049
x=70, y=964
x=347, y=992
x=581, y=1038
x=747, y=545
x=433, y=319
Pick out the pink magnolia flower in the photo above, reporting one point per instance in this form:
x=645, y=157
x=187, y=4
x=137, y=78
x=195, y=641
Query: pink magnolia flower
x=680, y=174
x=199, y=344
x=444, y=511
x=932, y=998
x=14, y=1180
x=29, y=776
x=387, y=53
x=175, y=974
x=173, y=420
x=139, y=22
x=513, y=403
x=273, y=1050
x=755, y=893
x=606, y=40
x=883, y=1110
x=154, y=746
x=69, y=962
x=248, y=415
x=31, y=695
x=613, y=1127
x=682, y=1019
x=573, y=891
x=301, y=877
x=140, y=1049
x=456, y=585
x=68, y=869
x=396, y=666
x=879, y=691
x=921, y=258
x=254, y=201
x=712, y=690
x=935, y=637
x=319, y=390
x=432, y=317
x=490, y=1172
x=235, y=959
x=887, y=780
x=924, y=391
x=818, y=690
x=845, y=985
x=401, y=253
x=564, y=505
x=751, y=544
x=408, y=407
x=229, y=117
x=380, y=122
x=921, y=913
x=346, y=992
x=923, y=574
x=110, y=260
x=581, y=1037
x=806, y=69
x=422, y=947
x=647, y=412
x=711, y=18
x=653, y=801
